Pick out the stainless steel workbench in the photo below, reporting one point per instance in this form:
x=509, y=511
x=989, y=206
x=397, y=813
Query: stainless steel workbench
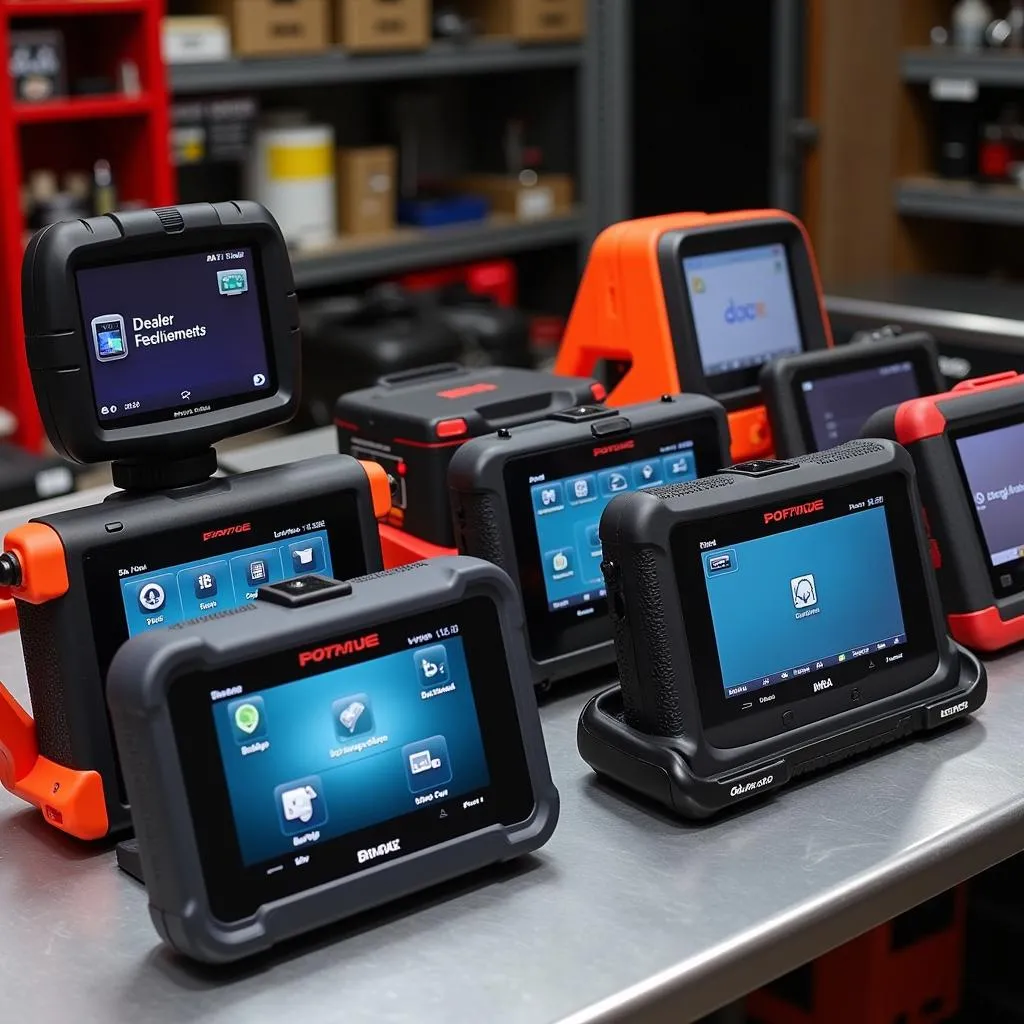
x=625, y=912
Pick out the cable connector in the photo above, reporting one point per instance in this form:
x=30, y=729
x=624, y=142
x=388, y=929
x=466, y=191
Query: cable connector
x=10, y=570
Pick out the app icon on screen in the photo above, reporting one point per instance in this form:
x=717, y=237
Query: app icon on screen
x=307, y=555
x=680, y=466
x=152, y=598
x=614, y=481
x=560, y=563
x=805, y=593
x=248, y=721
x=547, y=497
x=427, y=763
x=233, y=282
x=594, y=536
x=583, y=488
x=432, y=665
x=108, y=337
x=205, y=584
x=301, y=805
x=353, y=716
x=257, y=572
x=647, y=474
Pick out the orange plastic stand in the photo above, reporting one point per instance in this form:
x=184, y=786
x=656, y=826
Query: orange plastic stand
x=70, y=800
x=620, y=316
x=400, y=548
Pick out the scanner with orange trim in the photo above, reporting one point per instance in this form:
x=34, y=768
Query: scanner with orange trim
x=697, y=302
x=175, y=543
x=968, y=449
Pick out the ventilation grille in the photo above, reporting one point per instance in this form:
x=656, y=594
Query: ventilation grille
x=708, y=483
x=480, y=532
x=245, y=608
x=171, y=219
x=387, y=572
x=850, y=450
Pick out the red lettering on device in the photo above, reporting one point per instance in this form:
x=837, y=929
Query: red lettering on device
x=621, y=446
x=469, y=389
x=340, y=650
x=794, y=510
x=227, y=531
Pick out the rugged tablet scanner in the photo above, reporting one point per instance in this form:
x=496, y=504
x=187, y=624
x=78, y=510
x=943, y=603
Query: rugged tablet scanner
x=769, y=620
x=530, y=500
x=968, y=447
x=331, y=747
x=817, y=400
x=698, y=302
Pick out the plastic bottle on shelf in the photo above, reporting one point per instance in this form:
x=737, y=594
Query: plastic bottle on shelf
x=1015, y=19
x=104, y=194
x=970, y=19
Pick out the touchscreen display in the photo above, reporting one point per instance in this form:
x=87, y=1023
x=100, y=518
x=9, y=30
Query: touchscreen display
x=804, y=598
x=203, y=586
x=328, y=759
x=567, y=511
x=994, y=472
x=744, y=311
x=838, y=406
x=316, y=758
x=174, y=336
x=555, y=500
x=825, y=594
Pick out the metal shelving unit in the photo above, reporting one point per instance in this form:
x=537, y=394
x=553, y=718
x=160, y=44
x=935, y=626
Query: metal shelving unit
x=988, y=68
x=960, y=200
x=410, y=248
x=336, y=66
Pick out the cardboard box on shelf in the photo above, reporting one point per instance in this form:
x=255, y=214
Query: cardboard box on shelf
x=382, y=25
x=273, y=27
x=189, y=40
x=366, y=190
x=529, y=21
x=551, y=194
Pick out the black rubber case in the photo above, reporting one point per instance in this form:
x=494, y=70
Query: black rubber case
x=139, y=679
x=648, y=734
x=480, y=501
x=781, y=376
x=57, y=349
x=58, y=638
x=412, y=423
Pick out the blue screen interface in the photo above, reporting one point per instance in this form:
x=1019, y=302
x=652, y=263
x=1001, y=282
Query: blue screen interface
x=205, y=586
x=170, y=337
x=567, y=512
x=791, y=603
x=313, y=759
x=743, y=308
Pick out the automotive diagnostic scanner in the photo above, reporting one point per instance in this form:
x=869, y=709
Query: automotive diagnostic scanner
x=968, y=447
x=413, y=422
x=150, y=335
x=698, y=302
x=817, y=400
x=332, y=747
x=771, y=620
x=530, y=499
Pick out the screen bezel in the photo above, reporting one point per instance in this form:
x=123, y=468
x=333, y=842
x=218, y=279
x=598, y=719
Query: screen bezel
x=725, y=723
x=735, y=387
x=557, y=634
x=852, y=359
x=971, y=427
x=169, y=413
x=236, y=891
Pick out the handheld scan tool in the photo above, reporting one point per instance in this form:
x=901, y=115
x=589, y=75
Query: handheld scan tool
x=698, y=302
x=329, y=748
x=150, y=335
x=968, y=447
x=817, y=400
x=411, y=423
x=770, y=620
x=530, y=499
